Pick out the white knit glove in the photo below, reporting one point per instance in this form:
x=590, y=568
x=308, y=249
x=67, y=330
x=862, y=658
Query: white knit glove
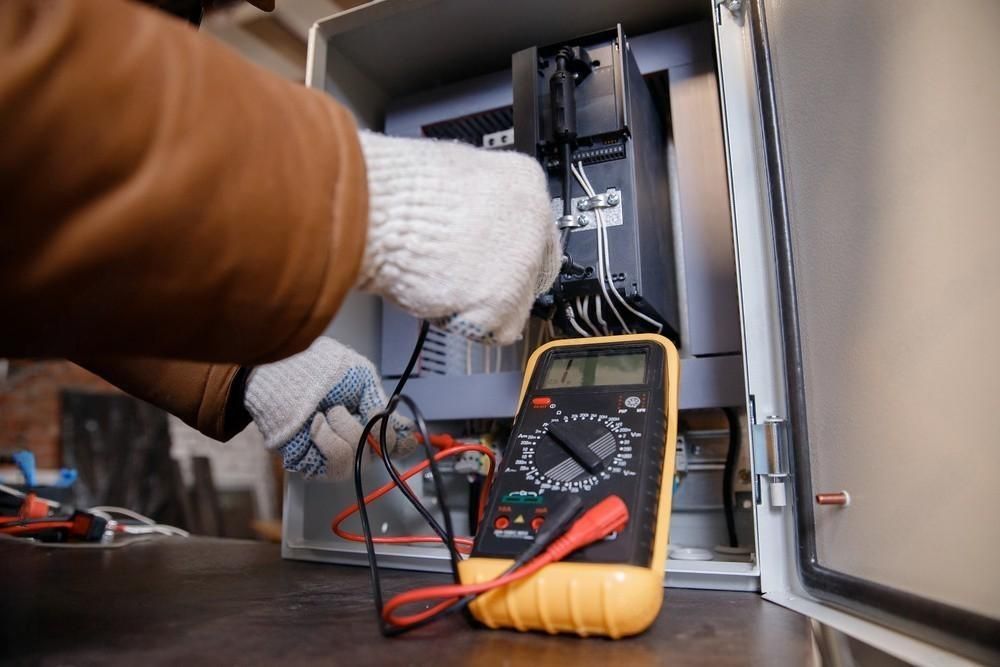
x=460, y=236
x=312, y=407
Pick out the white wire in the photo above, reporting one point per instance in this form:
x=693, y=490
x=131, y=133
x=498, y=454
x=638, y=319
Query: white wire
x=149, y=525
x=124, y=511
x=11, y=490
x=573, y=323
x=600, y=316
x=468, y=357
x=159, y=528
x=603, y=273
x=499, y=359
x=582, y=306
x=20, y=494
x=602, y=230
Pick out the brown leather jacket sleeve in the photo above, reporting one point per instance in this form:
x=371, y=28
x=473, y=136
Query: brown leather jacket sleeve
x=161, y=197
x=196, y=392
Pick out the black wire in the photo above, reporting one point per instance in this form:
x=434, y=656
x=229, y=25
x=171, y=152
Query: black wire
x=732, y=456
x=446, y=533
x=567, y=194
x=567, y=178
x=31, y=522
x=558, y=520
x=475, y=495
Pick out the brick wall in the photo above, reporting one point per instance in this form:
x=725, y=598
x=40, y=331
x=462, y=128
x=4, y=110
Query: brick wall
x=30, y=407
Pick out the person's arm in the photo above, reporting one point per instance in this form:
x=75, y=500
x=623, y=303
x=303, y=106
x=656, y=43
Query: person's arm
x=162, y=197
x=208, y=397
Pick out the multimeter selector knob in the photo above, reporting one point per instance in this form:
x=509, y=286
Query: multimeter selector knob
x=574, y=449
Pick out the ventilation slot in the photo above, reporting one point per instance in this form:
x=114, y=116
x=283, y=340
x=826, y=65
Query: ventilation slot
x=471, y=129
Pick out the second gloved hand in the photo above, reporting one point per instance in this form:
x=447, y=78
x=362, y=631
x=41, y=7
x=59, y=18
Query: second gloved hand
x=312, y=407
x=461, y=236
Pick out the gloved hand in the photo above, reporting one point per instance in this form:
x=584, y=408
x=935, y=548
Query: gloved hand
x=460, y=236
x=312, y=408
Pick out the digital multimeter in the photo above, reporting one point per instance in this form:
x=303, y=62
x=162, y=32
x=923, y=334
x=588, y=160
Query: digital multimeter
x=597, y=417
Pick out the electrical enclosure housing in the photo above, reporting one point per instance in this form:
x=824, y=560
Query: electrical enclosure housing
x=824, y=195
x=620, y=142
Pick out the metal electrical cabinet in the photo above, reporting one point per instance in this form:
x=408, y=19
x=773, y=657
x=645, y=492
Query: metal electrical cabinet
x=831, y=171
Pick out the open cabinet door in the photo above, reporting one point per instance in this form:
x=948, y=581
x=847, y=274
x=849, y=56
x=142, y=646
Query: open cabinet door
x=878, y=134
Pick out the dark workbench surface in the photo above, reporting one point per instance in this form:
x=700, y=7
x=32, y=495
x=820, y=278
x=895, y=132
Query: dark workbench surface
x=206, y=601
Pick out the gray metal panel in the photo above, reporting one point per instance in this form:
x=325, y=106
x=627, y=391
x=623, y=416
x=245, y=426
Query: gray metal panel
x=358, y=323
x=398, y=335
x=405, y=46
x=888, y=122
x=706, y=382
x=703, y=232
x=649, y=170
x=704, y=243
x=406, y=116
x=478, y=396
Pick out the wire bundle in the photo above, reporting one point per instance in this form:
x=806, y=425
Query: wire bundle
x=35, y=520
x=604, y=277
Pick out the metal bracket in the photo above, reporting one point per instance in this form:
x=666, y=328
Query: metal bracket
x=501, y=139
x=610, y=202
x=771, y=460
x=568, y=222
x=609, y=199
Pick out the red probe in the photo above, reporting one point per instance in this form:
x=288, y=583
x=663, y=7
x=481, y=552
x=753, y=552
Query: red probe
x=598, y=522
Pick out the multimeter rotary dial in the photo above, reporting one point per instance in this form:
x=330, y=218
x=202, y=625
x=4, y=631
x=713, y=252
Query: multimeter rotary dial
x=576, y=452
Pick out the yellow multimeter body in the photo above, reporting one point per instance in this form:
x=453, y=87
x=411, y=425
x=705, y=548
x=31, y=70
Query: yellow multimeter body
x=616, y=396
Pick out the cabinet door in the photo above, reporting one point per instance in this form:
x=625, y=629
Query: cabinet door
x=880, y=128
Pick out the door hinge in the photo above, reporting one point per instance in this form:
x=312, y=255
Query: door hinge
x=771, y=460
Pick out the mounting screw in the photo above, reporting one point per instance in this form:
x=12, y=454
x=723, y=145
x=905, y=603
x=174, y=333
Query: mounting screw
x=582, y=221
x=613, y=198
x=582, y=204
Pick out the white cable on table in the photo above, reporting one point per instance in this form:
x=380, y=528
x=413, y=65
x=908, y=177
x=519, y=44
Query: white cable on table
x=124, y=511
x=20, y=494
x=149, y=525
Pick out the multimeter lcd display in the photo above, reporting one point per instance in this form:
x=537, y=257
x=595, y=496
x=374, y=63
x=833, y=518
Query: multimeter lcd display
x=596, y=370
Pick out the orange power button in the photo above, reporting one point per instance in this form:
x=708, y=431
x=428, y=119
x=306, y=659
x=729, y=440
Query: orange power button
x=541, y=402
